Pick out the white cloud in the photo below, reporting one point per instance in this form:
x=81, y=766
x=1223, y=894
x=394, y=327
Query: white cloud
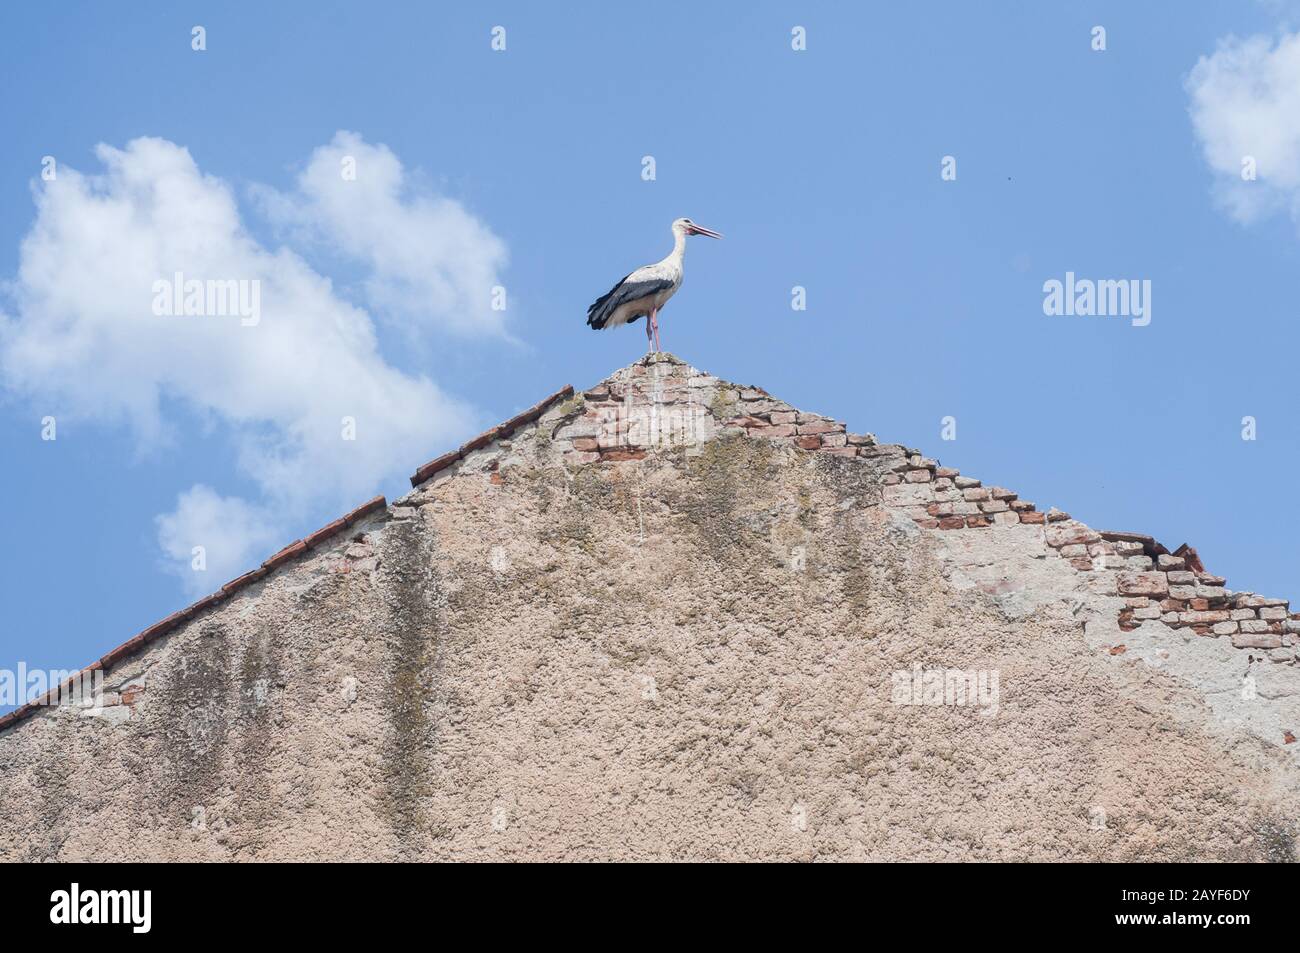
x=237, y=533
x=1245, y=101
x=432, y=263
x=83, y=332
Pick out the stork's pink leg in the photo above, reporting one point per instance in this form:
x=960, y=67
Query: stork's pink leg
x=654, y=323
x=649, y=347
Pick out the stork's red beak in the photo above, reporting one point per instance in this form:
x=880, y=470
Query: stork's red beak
x=701, y=230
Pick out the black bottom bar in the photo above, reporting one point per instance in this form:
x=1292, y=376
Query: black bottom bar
x=942, y=903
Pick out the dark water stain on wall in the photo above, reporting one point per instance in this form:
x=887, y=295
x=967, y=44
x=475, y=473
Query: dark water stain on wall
x=413, y=604
x=58, y=806
x=724, y=482
x=260, y=687
x=191, y=711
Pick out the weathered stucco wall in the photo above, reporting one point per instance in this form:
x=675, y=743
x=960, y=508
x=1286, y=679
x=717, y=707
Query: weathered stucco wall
x=670, y=634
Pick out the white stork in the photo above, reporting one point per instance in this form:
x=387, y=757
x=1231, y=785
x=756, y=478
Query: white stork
x=645, y=291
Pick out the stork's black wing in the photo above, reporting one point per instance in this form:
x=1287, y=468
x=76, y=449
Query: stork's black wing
x=604, y=307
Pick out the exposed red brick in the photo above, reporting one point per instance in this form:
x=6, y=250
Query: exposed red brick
x=1288, y=738
x=1033, y=517
x=839, y=451
x=496, y=479
x=977, y=521
x=1076, y=535
x=1118, y=649
x=952, y=522
x=1205, y=617
x=1189, y=556
x=618, y=455
x=1149, y=544
x=1143, y=584
x=809, y=442
x=821, y=426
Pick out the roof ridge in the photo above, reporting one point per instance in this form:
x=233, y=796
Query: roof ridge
x=757, y=414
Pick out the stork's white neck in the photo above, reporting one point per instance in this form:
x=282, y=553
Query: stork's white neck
x=679, y=246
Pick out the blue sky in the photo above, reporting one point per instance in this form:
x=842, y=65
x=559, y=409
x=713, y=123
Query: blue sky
x=821, y=166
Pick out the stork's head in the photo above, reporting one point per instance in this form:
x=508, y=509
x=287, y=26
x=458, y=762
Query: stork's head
x=685, y=226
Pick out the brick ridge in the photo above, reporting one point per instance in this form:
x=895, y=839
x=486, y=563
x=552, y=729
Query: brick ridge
x=1173, y=588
